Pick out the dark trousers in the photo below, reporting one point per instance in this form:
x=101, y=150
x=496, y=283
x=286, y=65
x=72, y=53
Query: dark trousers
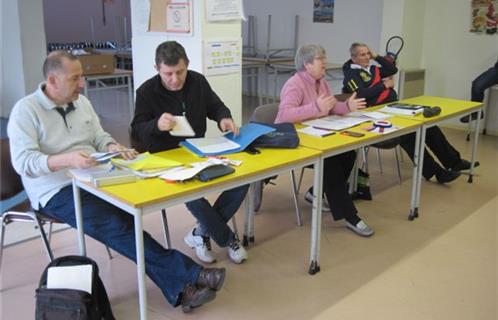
x=213, y=219
x=170, y=270
x=336, y=171
x=442, y=149
x=482, y=82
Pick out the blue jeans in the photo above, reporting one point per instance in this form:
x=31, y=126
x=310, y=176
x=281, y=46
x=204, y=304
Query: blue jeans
x=482, y=82
x=213, y=219
x=170, y=270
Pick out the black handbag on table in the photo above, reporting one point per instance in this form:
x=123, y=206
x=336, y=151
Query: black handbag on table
x=214, y=172
x=285, y=136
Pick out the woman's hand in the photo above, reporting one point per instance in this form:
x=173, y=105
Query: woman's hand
x=325, y=103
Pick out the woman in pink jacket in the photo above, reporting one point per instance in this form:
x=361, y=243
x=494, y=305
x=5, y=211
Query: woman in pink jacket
x=306, y=95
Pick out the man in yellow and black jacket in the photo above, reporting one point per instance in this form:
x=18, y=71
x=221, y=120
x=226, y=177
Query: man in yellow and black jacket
x=371, y=82
x=376, y=85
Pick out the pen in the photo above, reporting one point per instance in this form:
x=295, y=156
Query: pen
x=328, y=134
x=320, y=128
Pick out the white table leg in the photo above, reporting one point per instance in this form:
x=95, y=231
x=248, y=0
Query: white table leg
x=418, y=160
x=139, y=243
x=316, y=220
x=79, y=219
x=249, y=218
x=474, y=146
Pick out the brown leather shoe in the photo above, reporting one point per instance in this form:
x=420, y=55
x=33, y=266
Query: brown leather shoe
x=193, y=297
x=211, y=278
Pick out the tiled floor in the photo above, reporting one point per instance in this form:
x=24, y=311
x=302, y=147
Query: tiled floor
x=441, y=266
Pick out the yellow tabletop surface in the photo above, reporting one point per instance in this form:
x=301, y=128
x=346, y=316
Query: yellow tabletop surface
x=339, y=140
x=449, y=107
x=154, y=190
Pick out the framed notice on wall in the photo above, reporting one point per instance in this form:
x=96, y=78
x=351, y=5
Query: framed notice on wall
x=178, y=17
x=222, y=57
x=221, y=10
x=170, y=16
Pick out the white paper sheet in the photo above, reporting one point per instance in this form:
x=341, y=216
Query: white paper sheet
x=316, y=132
x=335, y=122
x=374, y=115
x=182, y=128
x=213, y=145
x=70, y=277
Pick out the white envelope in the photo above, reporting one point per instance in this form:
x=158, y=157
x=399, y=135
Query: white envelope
x=182, y=128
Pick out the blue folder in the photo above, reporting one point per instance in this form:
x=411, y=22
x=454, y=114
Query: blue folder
x=248, y=133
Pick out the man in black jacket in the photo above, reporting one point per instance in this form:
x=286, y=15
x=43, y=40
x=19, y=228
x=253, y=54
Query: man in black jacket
x=375, y=84
x=177, y=91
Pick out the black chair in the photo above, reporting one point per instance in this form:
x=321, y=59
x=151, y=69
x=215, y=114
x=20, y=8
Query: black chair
x=266, y=114
x=11, y=186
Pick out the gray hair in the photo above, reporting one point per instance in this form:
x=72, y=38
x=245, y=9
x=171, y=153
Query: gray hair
x=53, y=62
x=306, y=54
x=354, y=48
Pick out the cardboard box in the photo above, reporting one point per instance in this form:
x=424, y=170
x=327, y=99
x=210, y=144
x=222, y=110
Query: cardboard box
x=97, y=63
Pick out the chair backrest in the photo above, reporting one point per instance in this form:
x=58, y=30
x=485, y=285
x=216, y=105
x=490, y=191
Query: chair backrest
x=265, y=113
x=11, y=183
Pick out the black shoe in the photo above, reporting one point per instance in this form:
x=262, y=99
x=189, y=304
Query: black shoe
x=445, y=176
x=193, y=297
x=464, y=165
x=473, y=115
x=211, y=278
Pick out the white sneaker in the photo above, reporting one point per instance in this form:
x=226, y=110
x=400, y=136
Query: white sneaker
x=361, y=228
x=236, y=252
x=309, y=198
x=202, y=246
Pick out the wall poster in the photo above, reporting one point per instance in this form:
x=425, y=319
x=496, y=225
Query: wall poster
x=323, y=11
x=222, y=57
x=222, y=10
x=484, y=16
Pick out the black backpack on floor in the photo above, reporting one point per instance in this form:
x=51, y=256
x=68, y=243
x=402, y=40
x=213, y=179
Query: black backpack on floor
x=54, y=304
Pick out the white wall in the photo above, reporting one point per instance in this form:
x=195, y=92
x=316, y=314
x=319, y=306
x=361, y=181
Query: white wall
x=23, y=50
x=413, y=17
x=453, y=56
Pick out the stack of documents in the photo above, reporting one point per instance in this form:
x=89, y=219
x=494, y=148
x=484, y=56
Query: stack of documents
x=103, y=175
x=147, y=165
x=403, y=109
x=228, y=143
x=86, y=175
